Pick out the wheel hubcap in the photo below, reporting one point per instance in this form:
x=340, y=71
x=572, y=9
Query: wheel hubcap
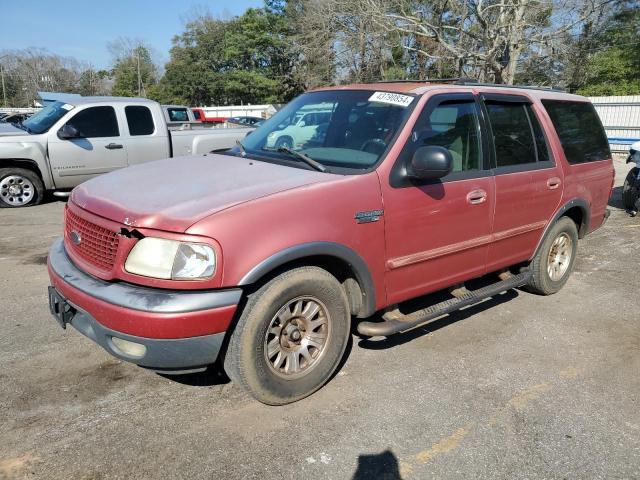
x=16, y=190
x=297, y=337
x=559, y=257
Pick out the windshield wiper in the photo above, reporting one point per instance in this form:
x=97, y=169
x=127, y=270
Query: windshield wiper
x=243, y=151
x=301, y=156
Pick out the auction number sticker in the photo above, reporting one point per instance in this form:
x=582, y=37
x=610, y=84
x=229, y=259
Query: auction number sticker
x=391, y=98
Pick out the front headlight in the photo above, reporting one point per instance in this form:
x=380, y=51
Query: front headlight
x=170, y=259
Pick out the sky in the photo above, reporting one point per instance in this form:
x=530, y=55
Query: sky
x=82, y=29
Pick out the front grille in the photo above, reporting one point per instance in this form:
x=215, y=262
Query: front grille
x=94, y=244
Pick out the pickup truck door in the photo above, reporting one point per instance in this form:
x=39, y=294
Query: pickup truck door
x=529, y=183
x=147, y=137
x=438, y=231
x=98, y=149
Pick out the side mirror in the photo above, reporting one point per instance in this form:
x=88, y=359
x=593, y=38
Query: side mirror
x=68, y=132
x=431, y=162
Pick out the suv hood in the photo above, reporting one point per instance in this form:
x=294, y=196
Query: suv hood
x=7, y=129
x=174, y=194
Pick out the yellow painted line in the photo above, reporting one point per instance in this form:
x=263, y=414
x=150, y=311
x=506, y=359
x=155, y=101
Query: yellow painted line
x=445, y=445
x=521, y=400
x=12, y=467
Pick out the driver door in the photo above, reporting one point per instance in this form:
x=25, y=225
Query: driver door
x=438, y=231
x=99, y=148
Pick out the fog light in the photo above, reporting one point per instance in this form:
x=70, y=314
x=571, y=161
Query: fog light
x=131, y=349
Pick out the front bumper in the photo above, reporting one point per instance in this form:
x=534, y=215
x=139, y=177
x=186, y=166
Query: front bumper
x=180, y=329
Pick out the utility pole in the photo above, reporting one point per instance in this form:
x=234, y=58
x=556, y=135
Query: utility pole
x=4, y=91
x=139, y=79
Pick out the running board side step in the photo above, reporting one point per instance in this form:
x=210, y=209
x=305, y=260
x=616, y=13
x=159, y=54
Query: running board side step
x=396, y=322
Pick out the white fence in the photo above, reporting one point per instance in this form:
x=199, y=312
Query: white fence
x=621, y=119
x=224, y=112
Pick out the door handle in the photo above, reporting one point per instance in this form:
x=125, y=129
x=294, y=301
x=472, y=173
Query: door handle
x=476, y=197
x=553, y=183
x=113, y=146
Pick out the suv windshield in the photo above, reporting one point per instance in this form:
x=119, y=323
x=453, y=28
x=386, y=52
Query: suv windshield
x=45, y=118
x=337, y=128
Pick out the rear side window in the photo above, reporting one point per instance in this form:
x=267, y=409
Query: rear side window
x=140, y=120
x=196, y=114
x=581, y=133
x=178, y=115
x=512, y=134
x=96, y=122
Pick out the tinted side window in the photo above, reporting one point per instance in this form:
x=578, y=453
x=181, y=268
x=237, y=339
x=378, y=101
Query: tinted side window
x=96, y=122
x=454, y=126
x=178, y=115
x=581, y=133
x=512, y=135
x=541, y=144
x=196, y=115
x=140, y=120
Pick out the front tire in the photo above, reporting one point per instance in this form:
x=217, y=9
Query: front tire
x=290, y=337
x=285, y=142
x=631, y=189
x=553, y=262
x=20, y=187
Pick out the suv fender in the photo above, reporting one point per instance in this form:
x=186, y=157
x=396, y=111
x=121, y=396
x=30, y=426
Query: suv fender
x=325, y=249
x=583, y=225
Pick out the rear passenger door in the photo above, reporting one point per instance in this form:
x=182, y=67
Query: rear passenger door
x=147, y=138
x=528, y=181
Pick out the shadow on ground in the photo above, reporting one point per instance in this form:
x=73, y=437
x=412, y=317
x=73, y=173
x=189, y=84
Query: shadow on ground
x=382, y=466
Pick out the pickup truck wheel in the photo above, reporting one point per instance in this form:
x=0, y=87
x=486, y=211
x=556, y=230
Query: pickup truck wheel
x=553, y=263
x=20, y=187
x=631, y=189
x=290, y=337
x=286, y=142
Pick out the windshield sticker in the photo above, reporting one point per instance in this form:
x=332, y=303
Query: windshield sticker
x=67, y=107
x=391, y=98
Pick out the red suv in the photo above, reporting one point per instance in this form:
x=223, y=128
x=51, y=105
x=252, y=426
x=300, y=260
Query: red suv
x=263, y=256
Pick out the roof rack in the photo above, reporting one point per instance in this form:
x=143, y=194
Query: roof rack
x=431, y=80
x=469, y=82
x=474, y=83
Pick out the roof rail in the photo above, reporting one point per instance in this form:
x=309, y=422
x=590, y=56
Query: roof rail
x=431, y=80
x=473, y=82
x=468, y=82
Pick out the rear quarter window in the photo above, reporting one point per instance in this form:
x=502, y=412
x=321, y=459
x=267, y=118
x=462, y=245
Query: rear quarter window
x=580, y=131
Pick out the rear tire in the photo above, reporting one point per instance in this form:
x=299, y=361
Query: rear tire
x=630, y=189
x=290, y=337
x=553, y=262
x=20, y=187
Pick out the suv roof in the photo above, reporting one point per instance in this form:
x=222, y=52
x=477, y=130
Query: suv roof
x=418, y=87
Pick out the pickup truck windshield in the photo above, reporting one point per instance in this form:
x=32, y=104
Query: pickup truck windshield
x=45, y=118
x=338, y=128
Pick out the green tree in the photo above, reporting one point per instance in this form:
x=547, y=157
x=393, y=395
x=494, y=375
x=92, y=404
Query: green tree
x=613, y=67
x=247, y=59
x=134, y=70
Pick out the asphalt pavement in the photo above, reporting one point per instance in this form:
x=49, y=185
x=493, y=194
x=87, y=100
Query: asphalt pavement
x=520, y=386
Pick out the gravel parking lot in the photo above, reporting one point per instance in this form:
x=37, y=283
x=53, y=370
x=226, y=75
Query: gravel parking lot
x=520, y=386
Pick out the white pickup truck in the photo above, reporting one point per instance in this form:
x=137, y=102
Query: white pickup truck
x=65, y=144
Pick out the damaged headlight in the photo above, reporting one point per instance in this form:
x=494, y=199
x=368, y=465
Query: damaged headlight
x=171, y=259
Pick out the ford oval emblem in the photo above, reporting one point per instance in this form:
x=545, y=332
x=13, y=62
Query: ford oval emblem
x=75, y=237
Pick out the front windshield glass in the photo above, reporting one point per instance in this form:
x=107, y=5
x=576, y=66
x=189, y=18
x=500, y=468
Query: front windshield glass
x=338, y=128
x=45, y=118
